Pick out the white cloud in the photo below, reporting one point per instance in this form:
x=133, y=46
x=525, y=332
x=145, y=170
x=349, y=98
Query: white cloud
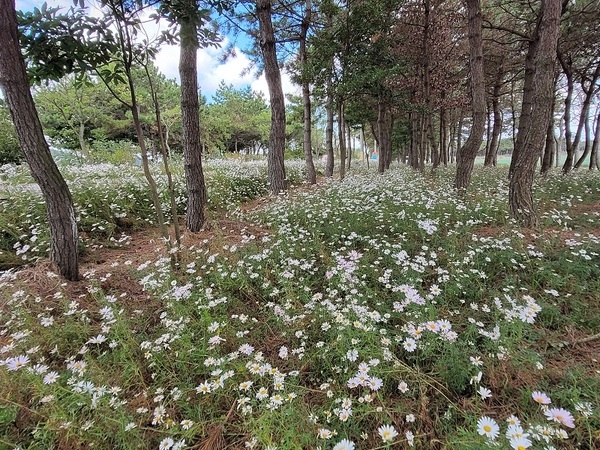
x=210, y=70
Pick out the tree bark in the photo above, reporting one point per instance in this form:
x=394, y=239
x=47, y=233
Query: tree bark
x=384, y=135
x=491, y=156
x=276, y=168
x=596, y=144
x=190, y=118
x=465, y=158
x=549, y=145
x=329, y=134
x=541, y=58
x=342, y=139
x=165, y=157
x=585, y=115
x=568, y=71
x=311, y=175
x=59, y=203
x=349, y=147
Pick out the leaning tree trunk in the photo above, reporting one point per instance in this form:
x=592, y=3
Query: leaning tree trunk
x=530, y=139
x=311, y=175
x=192, y=149
x=59, y=203
x=465, y=157
x=275, y=162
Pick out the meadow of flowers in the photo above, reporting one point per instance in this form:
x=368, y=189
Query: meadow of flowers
x=379, y=312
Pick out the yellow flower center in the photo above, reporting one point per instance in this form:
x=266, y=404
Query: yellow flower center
x=487, y=428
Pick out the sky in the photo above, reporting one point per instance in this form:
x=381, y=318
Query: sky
x=210, y=71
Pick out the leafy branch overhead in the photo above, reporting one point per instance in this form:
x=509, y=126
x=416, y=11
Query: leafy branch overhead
x=60, y=43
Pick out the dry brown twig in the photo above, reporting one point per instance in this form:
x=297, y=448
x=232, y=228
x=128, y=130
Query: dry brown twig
x=215, y=439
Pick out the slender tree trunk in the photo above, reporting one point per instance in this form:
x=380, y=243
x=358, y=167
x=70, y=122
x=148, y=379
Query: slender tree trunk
x=145, y=164
x=549, y=146
x=561, y=139
x=165, y=161
x=190, y=118
x=329, y=134
x=59, y=203
x=81, y=139
x=349, y=147
x=389, y=126
x=584, y=119
x=568, y=164
x=461, y=120
x=492, y=155
x=311, y=175
x=513, y=113
x=465, y=158
x=488, y=128
x=276, y=167
x=381, y=136
x=541, y=61
x=596, y=144
x=342, y=139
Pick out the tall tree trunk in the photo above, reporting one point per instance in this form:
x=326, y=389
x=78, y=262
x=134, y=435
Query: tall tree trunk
x=342, y=139
x=513, y=110
x=165, y=160
x=491, y=156
x=549, y=145
x=381, y=136
x=59, y=203
x=190, y=117
x=349, y=147
x=414, y=139
x=561, y=139
x=596, y=144
x=311, y=175
x=329, y=134
x=584, y=118
x=465, y=158
x=276, y=168
x=568, y=71
x=389, y=126
x=541, y=59
x=81, y=138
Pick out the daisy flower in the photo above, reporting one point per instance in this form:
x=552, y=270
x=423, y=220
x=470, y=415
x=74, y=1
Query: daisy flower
x=186, y=424
x=484, y=392
x=520, y=443
x=344, y=444
x=488, y=427
x=166, y=443
x=409, y=345
x=513, y=420
x=403, y=387
x=17, y=362
x=387, y=433
x=561, y=416
x=324, y=433
x=51, y=377
x=540, y=397
x=515, y=431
